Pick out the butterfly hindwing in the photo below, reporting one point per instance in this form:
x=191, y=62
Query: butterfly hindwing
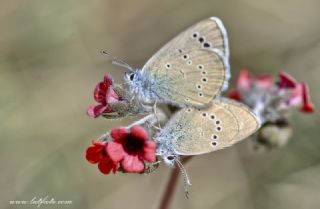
x=195, y=131
x=248, y=122
x=193, y=67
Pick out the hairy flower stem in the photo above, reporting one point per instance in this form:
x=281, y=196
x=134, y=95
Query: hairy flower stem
x=171, y=185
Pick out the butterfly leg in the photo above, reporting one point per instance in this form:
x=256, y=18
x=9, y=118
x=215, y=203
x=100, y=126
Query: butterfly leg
x=150, y=125
x=155, y=112
x=150, y=120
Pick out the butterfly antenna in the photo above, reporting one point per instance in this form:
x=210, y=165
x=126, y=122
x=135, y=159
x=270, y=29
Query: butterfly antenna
x=117, y=61
x=186, y=180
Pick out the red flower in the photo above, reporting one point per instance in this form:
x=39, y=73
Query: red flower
x=287, y=92
x=246, y=82
x=97, y=154
x=264, y=81
x=300, y=96
x=131, y=148
x=234, y=94
x=245, y=79
x=307, y=104
x=287, y=81
x=104, y=95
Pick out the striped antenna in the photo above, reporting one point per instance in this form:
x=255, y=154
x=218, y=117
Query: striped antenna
x=117, y=61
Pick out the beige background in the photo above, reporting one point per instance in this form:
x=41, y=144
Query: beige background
x=50, y=63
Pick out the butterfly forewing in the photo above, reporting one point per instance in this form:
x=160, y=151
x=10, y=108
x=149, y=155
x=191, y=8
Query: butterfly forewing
x=194, y=84
x=193, y=67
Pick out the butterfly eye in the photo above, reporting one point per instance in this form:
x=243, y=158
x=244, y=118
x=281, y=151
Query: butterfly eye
x=170, y=158
x=131, y=76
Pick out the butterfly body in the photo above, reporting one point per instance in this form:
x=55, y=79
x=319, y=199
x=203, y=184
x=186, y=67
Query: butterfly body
x=140, y=85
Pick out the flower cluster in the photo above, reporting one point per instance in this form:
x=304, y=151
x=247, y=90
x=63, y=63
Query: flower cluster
x=127, y=151
x=273, y=101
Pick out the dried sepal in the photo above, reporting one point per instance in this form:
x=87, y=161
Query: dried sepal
x=127, y=106
x=274, y=135
x=151, y=167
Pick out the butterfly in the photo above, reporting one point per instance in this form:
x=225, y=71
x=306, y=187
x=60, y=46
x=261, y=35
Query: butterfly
x=194, y=131
x=190, y=70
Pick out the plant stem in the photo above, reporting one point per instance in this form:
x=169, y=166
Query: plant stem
x=171, y=186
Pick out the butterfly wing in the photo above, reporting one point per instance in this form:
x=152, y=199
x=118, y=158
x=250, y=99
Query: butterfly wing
x=192, y=68
x=247, y=121
x=195, y=131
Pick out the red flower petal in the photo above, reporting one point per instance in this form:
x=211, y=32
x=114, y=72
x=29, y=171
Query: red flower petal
x=106, y=165
x=115, y=151
x=100, y=93
x=244, y=80
x=287, y=81
x=119, y=134
x=307, y=104
x=296, y=96
x=150, y=151
x=139, y=133
x=98, y=143
x=265, y=81
x=95, y=153
x=111, y=96
x=92, y=155
x=108, y=80
x=234, y=94
x=95, y=111
x=115, y=167
x=132, y=164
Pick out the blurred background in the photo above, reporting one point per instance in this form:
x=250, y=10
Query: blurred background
x=50, y=64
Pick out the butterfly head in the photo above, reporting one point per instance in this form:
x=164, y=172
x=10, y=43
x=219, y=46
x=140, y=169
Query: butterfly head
x=132, y=76
x=167, y=154
x=170, y=160
x=138, y=84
